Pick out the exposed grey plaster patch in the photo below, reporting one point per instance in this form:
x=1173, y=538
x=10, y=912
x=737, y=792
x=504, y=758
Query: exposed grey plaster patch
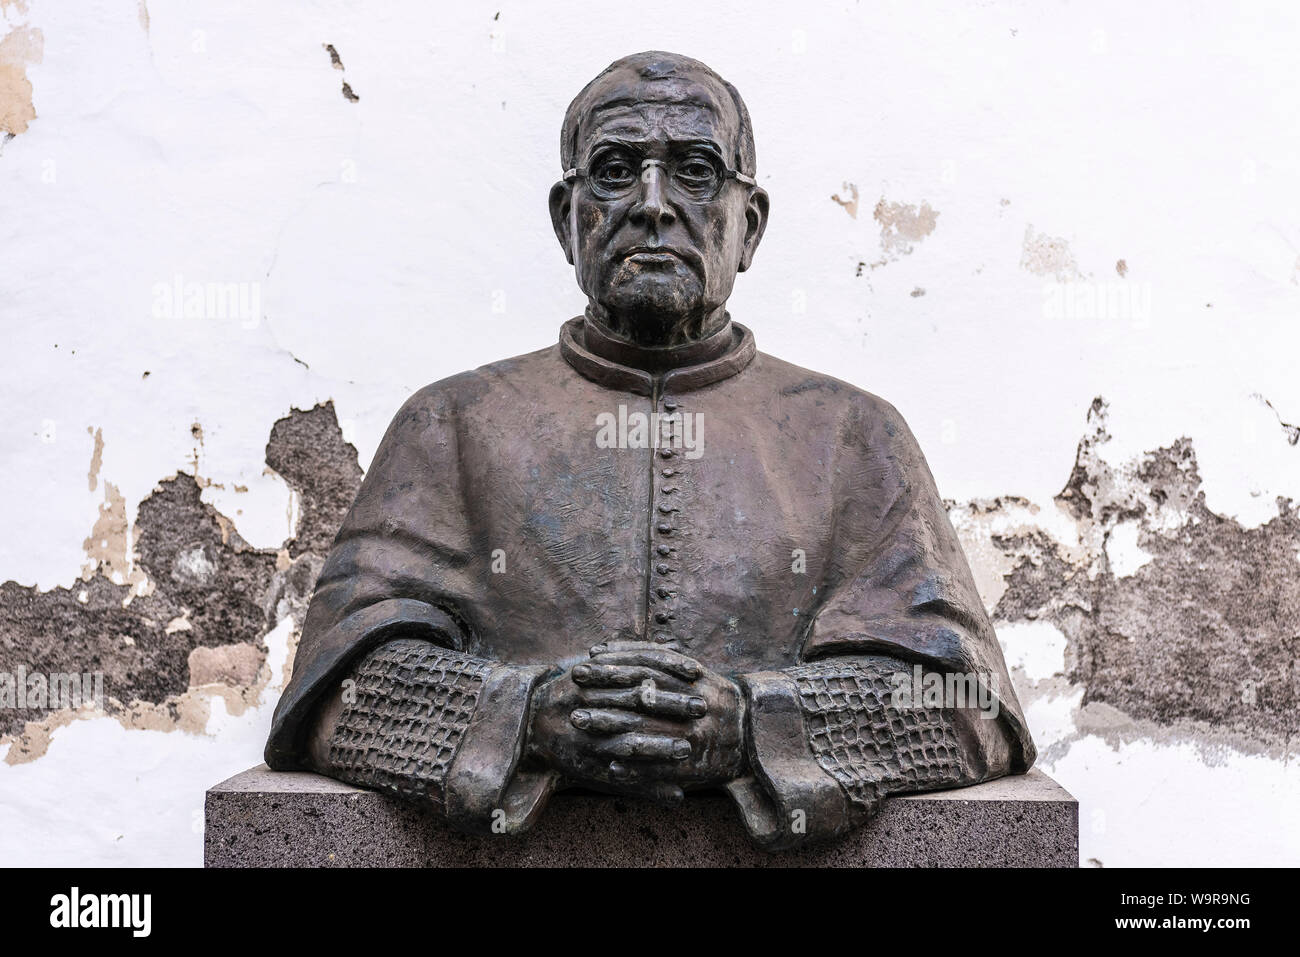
x=309, y=451
x=851, y=204
x=212, y=598
x=201, y=572
x=1204, y=637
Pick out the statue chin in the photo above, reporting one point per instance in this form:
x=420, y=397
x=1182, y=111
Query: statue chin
x=654, y=310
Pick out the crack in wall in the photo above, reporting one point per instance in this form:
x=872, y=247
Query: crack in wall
x=1292, y=432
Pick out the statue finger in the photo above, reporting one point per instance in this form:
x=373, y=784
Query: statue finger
x=619, y=645
x=598, y=721
x=642, y=747
x=625, y=698
x=668, y=793
x=594, y=675
x=671, y=662
x=648, y=700
x=669, y=704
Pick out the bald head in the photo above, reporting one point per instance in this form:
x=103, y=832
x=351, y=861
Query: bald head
x=657, y=77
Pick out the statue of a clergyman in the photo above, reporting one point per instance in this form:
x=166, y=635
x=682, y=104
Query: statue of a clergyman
x=650, y=559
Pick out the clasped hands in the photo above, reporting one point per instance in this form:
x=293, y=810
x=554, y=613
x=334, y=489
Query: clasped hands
x=639, y=718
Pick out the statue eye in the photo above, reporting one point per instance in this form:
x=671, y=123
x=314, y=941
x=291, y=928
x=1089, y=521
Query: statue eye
x=614, y=172
x=696, y=171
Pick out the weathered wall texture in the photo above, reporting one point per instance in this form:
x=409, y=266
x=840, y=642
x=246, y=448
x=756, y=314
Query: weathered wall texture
x=1064, y=240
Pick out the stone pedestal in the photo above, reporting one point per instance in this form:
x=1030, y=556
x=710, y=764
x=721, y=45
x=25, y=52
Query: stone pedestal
x=263, y=818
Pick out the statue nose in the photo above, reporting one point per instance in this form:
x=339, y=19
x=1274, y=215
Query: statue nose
x=652, y=205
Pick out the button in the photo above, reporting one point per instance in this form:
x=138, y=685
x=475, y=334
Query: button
x=665, y=528
x=670, y=404
x=663, y=592
x=666, y=453
x=668, y=489
x=668, y=473
x=662, y=616
x=664, y=550
x=667, y=509
x=662, y=568
x=662, y=638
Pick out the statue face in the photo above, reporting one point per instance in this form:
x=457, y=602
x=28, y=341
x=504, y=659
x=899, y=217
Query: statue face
x=654, y=225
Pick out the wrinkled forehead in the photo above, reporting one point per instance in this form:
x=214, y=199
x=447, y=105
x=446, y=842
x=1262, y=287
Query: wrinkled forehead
x=683, y=106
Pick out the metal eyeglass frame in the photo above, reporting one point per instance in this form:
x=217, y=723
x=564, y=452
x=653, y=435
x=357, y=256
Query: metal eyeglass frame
x=581, y=172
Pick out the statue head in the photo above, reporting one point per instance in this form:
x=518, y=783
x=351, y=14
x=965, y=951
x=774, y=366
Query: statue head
x=658, y=209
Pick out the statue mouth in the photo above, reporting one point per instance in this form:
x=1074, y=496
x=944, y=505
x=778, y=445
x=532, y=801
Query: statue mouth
x=648, y=258
x=654, y=254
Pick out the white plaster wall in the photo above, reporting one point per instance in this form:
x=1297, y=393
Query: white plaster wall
x=404, y=237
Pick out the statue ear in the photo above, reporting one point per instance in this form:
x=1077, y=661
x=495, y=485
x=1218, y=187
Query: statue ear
x=559, y=202
x=755, y=223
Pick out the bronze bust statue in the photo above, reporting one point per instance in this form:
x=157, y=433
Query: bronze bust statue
x=650, y=559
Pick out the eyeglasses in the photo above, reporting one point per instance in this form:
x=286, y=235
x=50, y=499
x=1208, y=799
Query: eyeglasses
x=697, y=176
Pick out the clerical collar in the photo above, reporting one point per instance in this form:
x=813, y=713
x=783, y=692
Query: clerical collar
x=605, y=344
x=618, y=364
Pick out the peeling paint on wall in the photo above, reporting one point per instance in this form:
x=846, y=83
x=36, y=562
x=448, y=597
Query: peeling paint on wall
x=20, y=47
x=990, y=369
x=308, y=450
x=1177, y=621
x=1045, y=255
x=851, y=204
x=180, y=610
x=109, y=547
x=902, y=225
x=337, y=62
x=96, y=457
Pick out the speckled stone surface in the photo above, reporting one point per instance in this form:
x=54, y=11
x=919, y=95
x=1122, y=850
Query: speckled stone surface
x=263, y=818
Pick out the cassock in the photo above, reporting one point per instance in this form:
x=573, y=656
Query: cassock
x=770, y=520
